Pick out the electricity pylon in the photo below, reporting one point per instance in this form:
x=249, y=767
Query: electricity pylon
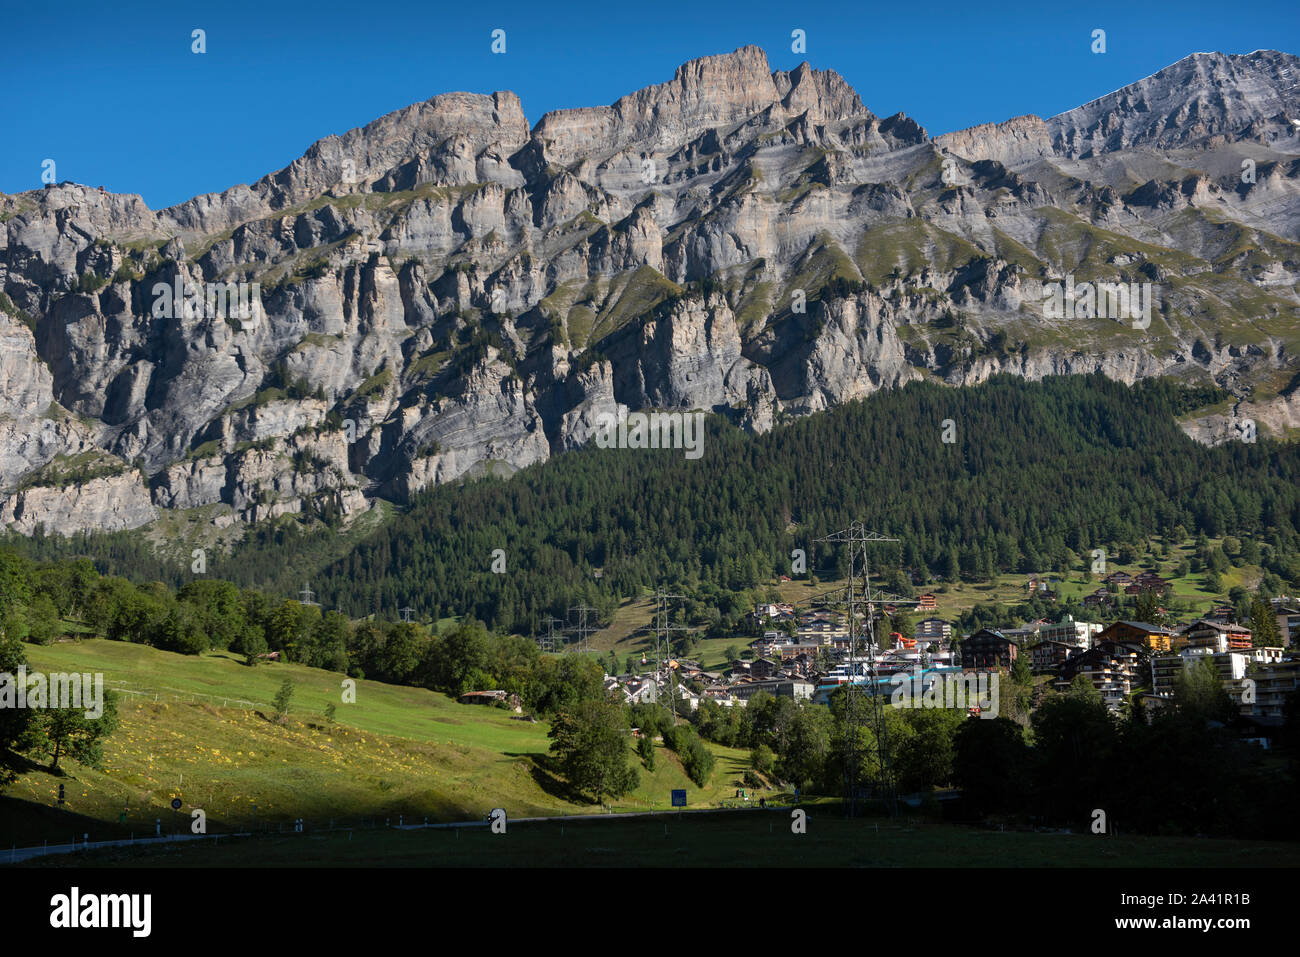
x=859, y=596
x=663, y=644
x=582, y=629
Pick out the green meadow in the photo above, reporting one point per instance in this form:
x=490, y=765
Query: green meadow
x=199, y=728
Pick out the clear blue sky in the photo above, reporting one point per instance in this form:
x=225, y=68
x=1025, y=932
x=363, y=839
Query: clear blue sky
x=112, y=93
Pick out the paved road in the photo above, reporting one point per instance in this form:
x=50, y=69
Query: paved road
x=14, y=855
x=671, y=812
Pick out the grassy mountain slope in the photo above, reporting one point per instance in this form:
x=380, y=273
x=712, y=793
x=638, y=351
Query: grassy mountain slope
x=197, y=728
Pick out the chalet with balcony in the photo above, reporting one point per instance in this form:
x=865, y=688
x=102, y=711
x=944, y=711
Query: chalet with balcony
x=988, y=649
x=1214, y=636
x=1152, y=637
x=1047, y=656
x=1115, y=669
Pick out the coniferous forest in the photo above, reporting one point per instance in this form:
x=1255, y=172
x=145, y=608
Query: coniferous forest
x=1037, y=475
x=1038, y=471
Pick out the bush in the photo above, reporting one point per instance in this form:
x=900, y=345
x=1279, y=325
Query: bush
x=89, y=283
x=180, y=631
x=125, y=273
x=42, y=620
x=645, y=749
x=762, y=759
x=311, y=270
x=253, y=645
x=697, y=760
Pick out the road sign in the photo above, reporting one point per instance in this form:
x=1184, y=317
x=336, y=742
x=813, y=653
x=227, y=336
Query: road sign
x=176, y=804
x=679, y=798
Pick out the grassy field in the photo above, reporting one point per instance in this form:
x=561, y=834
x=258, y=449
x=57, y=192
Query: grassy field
x=955, y=598
x=726, y=839
x=198, y=728
x=627, y=632
x=630, y=632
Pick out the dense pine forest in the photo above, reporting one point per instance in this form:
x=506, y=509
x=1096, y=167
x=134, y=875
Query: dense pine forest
x=1035, y=476
x=1039, y=474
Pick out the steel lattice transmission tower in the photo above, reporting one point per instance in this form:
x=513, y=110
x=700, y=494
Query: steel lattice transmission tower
x=582, y=629
x=663, y=643
x=547, y=642
x=861, y=600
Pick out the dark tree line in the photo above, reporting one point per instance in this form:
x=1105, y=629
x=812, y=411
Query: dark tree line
x=40, y=601
x=1183, y=771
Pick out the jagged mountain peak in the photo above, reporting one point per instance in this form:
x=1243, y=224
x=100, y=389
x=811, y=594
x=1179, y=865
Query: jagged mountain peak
x=823, y=93
x=1202, y=96
x=706, y=93
x=703, y=93
x=1011, y=142
x=457, y=129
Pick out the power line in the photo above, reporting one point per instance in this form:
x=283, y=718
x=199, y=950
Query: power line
x=547, y=642
x=663, y=643
x=859, y=597
x=582, y=629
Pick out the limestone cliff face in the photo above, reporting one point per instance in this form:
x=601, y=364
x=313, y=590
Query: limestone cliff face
x=108, y=504
x=1018, y=140
x=691, y=358
x=446, y=292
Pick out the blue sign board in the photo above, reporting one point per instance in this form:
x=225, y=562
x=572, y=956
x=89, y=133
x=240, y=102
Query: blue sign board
x=679, y=798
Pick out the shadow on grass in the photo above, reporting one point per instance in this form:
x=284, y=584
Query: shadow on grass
x=26, y=824
x=545, y=769
x=21, y=764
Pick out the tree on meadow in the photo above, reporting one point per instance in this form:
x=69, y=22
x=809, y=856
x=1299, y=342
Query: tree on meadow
x=282, y=699
x=69, y=732
x=590, y=743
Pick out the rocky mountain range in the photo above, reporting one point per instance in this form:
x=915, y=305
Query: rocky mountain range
x=449, y=291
